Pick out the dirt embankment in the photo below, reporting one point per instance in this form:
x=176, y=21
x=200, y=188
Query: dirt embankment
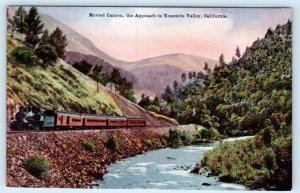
x=70, y=165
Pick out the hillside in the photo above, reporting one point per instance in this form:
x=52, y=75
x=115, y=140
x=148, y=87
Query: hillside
x=73, y=57
x=62, y=87
x=155, y=74
x=157, y=78
x=251, y=96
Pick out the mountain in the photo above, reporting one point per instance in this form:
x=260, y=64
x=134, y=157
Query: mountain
x=77, y=42
x=156, y=73
x=181, y=61
x=73, y=57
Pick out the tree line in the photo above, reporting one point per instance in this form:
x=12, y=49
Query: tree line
x=122, y=85
x=40, y=45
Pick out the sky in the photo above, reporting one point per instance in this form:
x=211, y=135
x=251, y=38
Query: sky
x=132, y=39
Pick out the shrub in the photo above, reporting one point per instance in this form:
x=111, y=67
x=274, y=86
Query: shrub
x=37, y=166
x=46, y=53
x=214, y=133
x=205, y=134
x=90, y=146
x=187, y=137
x=174, y=137
x=24, y=55
x=156, y=143
x=148, y=143
x=154, y=108
x=113, y=144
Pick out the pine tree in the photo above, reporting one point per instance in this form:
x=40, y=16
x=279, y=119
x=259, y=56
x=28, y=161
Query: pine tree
x=175, y=85
x=59, y=42
x=45, y=38
x=183, y=77
x=194, y=74
x=34, y=27
x=190, y=75
x=19, y=20
x=237, y=52
x=156, y=101
x=115, y=76
x=167, y=96
x=200, y=75
x=221, y=60
x=206, y=68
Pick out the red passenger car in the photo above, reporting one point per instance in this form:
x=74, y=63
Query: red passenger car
x=57, y=119
x=116, y=122
x=94, y=121
x=136, y=122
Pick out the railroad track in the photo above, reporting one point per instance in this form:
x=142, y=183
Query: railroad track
x=80, y=130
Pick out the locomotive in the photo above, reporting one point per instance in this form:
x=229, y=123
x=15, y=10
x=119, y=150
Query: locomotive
x=33, y=118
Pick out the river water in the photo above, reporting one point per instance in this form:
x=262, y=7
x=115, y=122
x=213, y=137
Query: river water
x=164, y=169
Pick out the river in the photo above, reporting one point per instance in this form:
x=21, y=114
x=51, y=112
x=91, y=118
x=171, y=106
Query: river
x=164, y=169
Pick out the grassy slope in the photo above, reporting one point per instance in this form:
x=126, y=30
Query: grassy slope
x=57, y=87
x=64, y=88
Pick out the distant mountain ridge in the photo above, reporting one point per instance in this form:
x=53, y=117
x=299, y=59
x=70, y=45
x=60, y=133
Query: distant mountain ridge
x=181, y=61
x=73, y=57
x=156, y=73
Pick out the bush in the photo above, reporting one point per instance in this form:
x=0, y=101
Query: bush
x=37, y=166
x=24, y=55
x=113, y=144
x=205, y=134
x=90, y=146
x=154, y=108
x=148, y=143
x=47, y=53
x=186, y=137
x=174, y=137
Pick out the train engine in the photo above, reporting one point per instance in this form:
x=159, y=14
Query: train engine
x=28, y=118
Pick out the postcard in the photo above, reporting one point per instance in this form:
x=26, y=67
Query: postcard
x=185, y=98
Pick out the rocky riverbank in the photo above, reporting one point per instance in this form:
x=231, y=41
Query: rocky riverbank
x=70, y=164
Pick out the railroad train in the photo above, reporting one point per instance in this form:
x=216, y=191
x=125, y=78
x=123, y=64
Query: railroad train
x=33, y=118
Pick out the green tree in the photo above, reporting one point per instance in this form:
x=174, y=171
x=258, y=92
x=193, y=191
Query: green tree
x=19, y=20
x=190, y=75
x=144, y=102
x=34, y=27
x=45, y=38
x=206, y=68
x=175, y=85
x=183, y=77
x=167, y=95
x=115, y=76
x=156, y=101
x=83, y=66
x=221, y=60
x=200, y=75
x=237, y=52
x=59, y=41
x=194, y=74
x=46, y=53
